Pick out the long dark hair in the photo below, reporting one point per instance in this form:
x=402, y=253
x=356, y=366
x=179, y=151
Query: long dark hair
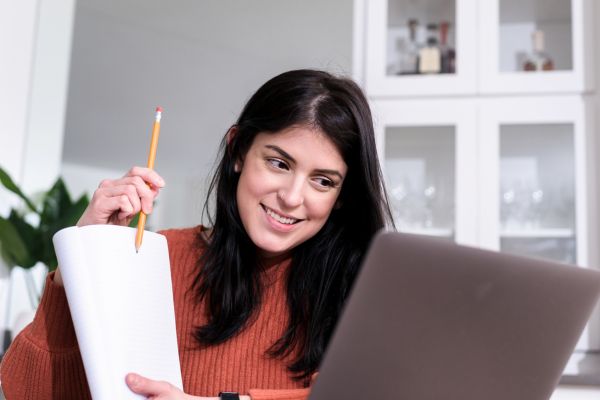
x=324, y=267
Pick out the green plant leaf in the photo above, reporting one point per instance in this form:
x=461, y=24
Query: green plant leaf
x=23, y=244
x=56, y=202
x=30, y=237
x=9, y=184
x=14, y=249
x=74, y=212
x=6, y=256
x=68, y=217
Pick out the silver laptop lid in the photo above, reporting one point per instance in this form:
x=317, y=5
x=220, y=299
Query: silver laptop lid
x=428, y=319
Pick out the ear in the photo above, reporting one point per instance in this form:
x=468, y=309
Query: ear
x=230, y=135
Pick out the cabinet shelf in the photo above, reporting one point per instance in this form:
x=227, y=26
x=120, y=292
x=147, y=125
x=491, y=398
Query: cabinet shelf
x=557, y=233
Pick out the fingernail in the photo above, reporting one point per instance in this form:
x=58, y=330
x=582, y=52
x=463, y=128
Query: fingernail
x=133, y=379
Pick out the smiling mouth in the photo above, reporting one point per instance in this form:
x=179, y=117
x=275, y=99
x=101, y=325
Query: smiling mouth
x=280, y=218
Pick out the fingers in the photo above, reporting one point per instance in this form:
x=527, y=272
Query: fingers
x=140, y=196
x=148, y=175
x=151, y=388
x=125, y=206
x=118, y=201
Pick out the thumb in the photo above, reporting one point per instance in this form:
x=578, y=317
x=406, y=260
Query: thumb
x=140, y=385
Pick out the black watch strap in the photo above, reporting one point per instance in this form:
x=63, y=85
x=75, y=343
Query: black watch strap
x=229, y=396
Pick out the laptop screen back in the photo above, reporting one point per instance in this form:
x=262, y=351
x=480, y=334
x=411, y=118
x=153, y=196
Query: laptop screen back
x=428, y=319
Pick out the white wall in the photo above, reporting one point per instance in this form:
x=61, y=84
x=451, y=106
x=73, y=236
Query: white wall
x=35, y=46
x=199, y=60
x=16, y=60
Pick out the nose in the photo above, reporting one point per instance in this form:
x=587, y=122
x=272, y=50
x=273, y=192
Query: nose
x=292, y=195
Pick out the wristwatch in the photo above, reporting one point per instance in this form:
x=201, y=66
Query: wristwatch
x=229, y=396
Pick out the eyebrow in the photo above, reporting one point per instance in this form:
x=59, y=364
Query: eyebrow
x=285, y=154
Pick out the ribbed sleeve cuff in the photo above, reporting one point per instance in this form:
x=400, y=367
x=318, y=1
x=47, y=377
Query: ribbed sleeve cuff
x=52, y=328
x=283, y=394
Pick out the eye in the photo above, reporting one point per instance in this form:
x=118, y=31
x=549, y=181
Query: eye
x=277, y=163
x=324, y=182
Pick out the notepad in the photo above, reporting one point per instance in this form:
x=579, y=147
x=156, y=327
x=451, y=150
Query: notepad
x=121, y=304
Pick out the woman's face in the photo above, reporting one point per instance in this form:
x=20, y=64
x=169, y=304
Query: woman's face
x=289, y=183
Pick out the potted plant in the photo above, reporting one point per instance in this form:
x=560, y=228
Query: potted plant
x=26, y=233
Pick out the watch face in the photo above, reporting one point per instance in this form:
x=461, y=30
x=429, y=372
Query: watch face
x=229, y=396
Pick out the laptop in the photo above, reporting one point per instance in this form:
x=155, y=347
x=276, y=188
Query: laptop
x=431, y=320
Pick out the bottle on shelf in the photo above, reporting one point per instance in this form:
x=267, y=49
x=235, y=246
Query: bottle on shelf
x=409, y=60
x=448, y=54
x=538, y=60
x=430, y=56
x=397, y=65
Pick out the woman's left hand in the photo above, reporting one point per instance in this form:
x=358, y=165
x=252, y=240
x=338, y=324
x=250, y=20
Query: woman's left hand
x=158, y=390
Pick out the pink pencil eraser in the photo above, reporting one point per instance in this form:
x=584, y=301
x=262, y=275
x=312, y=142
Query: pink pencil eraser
x=159, y=109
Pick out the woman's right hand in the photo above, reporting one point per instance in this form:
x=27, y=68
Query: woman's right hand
x=117, y=201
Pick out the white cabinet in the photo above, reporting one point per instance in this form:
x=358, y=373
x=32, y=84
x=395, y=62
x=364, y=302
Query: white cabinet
x=497, y=149
x=509, y=174
x=488, y=152
x=491, y=42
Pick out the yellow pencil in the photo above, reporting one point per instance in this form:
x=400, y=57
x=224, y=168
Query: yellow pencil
x=151, y=158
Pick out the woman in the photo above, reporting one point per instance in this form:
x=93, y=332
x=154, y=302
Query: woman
x=298, y=196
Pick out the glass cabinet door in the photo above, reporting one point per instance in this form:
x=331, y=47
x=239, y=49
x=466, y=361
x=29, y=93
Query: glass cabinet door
x=537, y=195
x=427, y=151
x=537, y=190
x=535, y=46
x=420, y=48
x=420, y=177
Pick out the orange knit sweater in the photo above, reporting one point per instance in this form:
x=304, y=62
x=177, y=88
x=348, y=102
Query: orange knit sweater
x=44, y=361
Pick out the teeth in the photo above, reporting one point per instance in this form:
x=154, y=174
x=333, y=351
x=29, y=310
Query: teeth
x=279, y=218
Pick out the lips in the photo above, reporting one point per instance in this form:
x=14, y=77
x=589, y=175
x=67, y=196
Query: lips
x=283, y=219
